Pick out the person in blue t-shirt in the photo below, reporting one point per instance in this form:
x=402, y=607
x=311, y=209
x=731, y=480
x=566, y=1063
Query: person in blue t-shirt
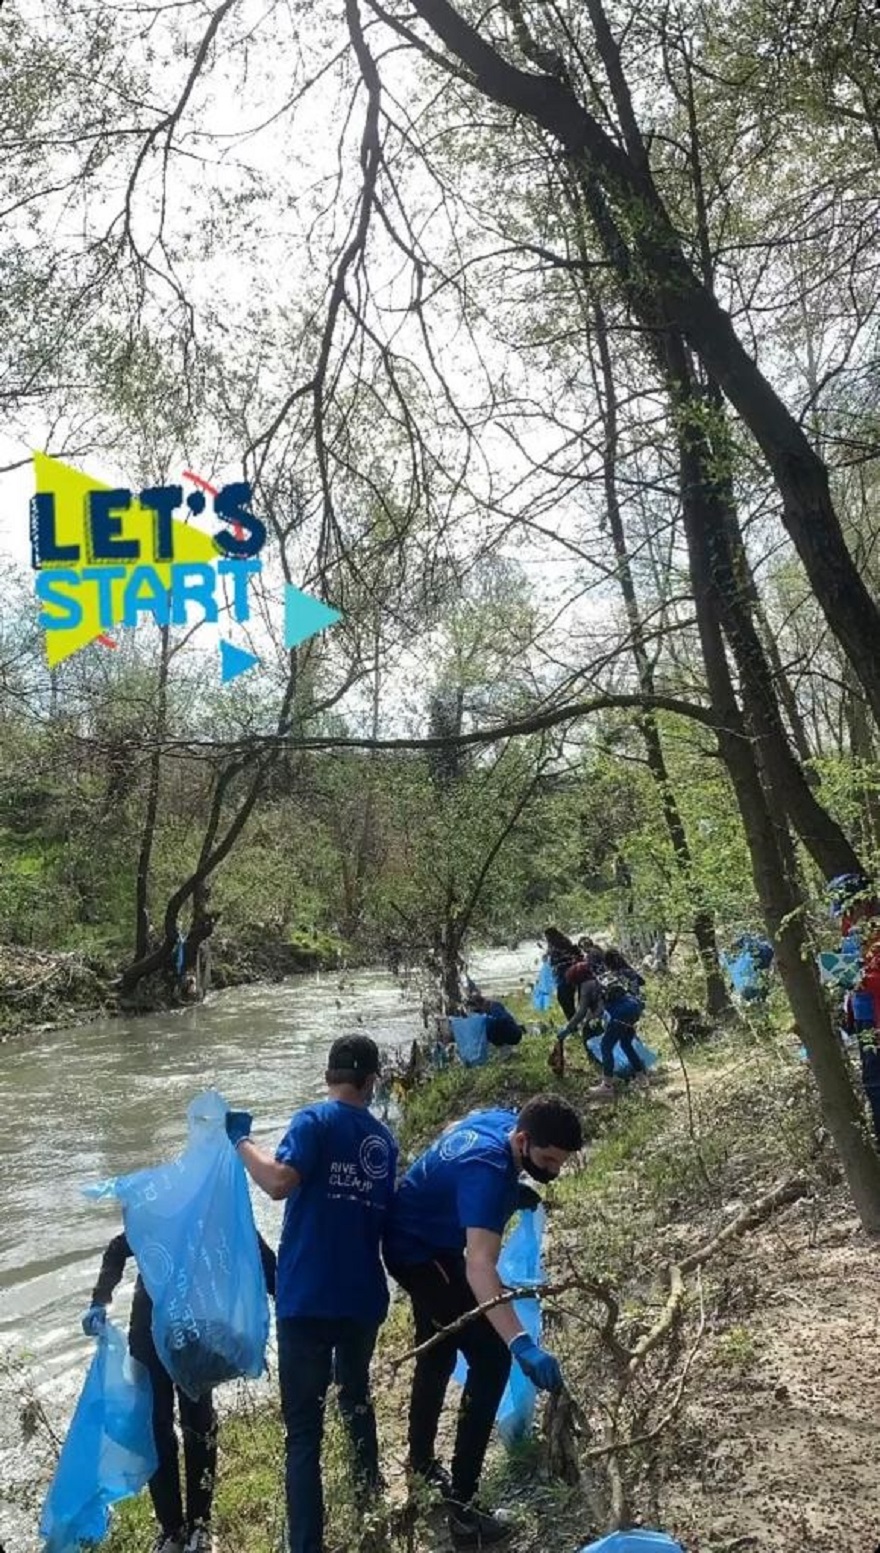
x=336, y=1168
x=442, y=1243
x=502, y=1030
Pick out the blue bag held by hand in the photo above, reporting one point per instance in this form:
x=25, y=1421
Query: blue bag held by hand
x=470, y=1039
x=544, y=990
x=519, y=1265
x=108, y=1453
x=634, y=1542
x=621, y=1065
x=191, y=1228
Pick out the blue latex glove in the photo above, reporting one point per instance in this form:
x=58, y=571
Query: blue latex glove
x=238, y=1126
x=94, y=1320
x=540, y=1367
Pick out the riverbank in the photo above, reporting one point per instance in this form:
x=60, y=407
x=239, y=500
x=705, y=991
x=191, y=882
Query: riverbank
x=42, y=990
x=733, y=1409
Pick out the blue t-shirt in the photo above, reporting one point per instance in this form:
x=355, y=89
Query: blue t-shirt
x=329, y=1261
x=466, y=1180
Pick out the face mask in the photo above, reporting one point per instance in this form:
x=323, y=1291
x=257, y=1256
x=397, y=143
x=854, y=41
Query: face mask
x=538, y=1173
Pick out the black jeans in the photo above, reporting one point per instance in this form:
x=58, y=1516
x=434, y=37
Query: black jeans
x=198, y=1425
x=566, y=997
x=440, y=1293
x=311, y=1352
x=617, y=1033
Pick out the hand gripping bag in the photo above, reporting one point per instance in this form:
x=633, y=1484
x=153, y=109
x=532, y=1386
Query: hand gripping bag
x=544, y=990
x=470, y=1039
x=191, y=1228
x=519, y=1266
x=634, y=1542
x=108, y=1452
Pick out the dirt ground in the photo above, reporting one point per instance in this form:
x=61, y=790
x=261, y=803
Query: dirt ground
x=784, y=1407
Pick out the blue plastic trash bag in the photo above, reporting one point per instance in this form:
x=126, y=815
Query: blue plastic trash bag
x=841, y=969
x=191, y=1228
x=470, y=1039
x=745, y=975
x=621, y=1065
x=634, y=1542
x=519, y=1266
x=108, y=1453
x=544, y=990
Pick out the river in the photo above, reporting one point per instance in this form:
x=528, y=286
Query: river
x=99, y=1100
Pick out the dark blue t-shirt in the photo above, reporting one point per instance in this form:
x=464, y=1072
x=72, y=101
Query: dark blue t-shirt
x=329, y=1261
x=466, y=1180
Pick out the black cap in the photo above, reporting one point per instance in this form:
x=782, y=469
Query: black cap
x=354, y=1054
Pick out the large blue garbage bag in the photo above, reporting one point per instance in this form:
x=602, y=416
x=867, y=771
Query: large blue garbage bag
x=544, y=990
x=621, y=1065
x=746, y=976
x=470, y=1039
x=191, y=1228
x=519, y=1266
x=840, y=968
x=634, y=1542
x=108, y=1453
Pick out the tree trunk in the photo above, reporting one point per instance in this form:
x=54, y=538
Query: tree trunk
x=771, y=852
x=142, y=881
x=717, y=996
x=818, y=830
x=663, y=283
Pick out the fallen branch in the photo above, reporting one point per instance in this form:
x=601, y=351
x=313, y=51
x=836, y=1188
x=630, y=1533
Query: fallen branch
x=782, y=1194
x=533, y=1292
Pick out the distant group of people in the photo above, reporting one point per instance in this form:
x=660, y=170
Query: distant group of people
x=438, y=1232
x=601, y=994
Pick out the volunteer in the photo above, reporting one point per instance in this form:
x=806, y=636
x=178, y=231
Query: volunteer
x=442, y=1245
x=335, y=1166
x=179, y=1532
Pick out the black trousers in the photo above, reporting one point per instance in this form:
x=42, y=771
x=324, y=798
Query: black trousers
x=566, y=998
x=440, y=1293
x=198, y=1425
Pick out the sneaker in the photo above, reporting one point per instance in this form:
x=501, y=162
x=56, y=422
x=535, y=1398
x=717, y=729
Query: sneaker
x=169, y=1542
x=470, y=1528
x=603, y=1091
x=641, y=1081
x=436, y=1477
x=200, y=1540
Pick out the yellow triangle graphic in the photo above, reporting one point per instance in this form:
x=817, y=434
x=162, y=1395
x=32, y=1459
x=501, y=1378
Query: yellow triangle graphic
x=70, y=489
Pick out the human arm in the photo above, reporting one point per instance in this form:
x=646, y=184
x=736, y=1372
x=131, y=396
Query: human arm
x=483, y=1248
x=277, y=1180
x=112, y=1267
x=588, y=1003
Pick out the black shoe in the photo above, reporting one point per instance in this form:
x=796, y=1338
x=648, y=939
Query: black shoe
x=435, y=1476
x=470, y=1528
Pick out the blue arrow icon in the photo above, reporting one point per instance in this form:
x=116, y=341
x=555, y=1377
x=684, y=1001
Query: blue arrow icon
x=304, y=616
x=234, y=661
